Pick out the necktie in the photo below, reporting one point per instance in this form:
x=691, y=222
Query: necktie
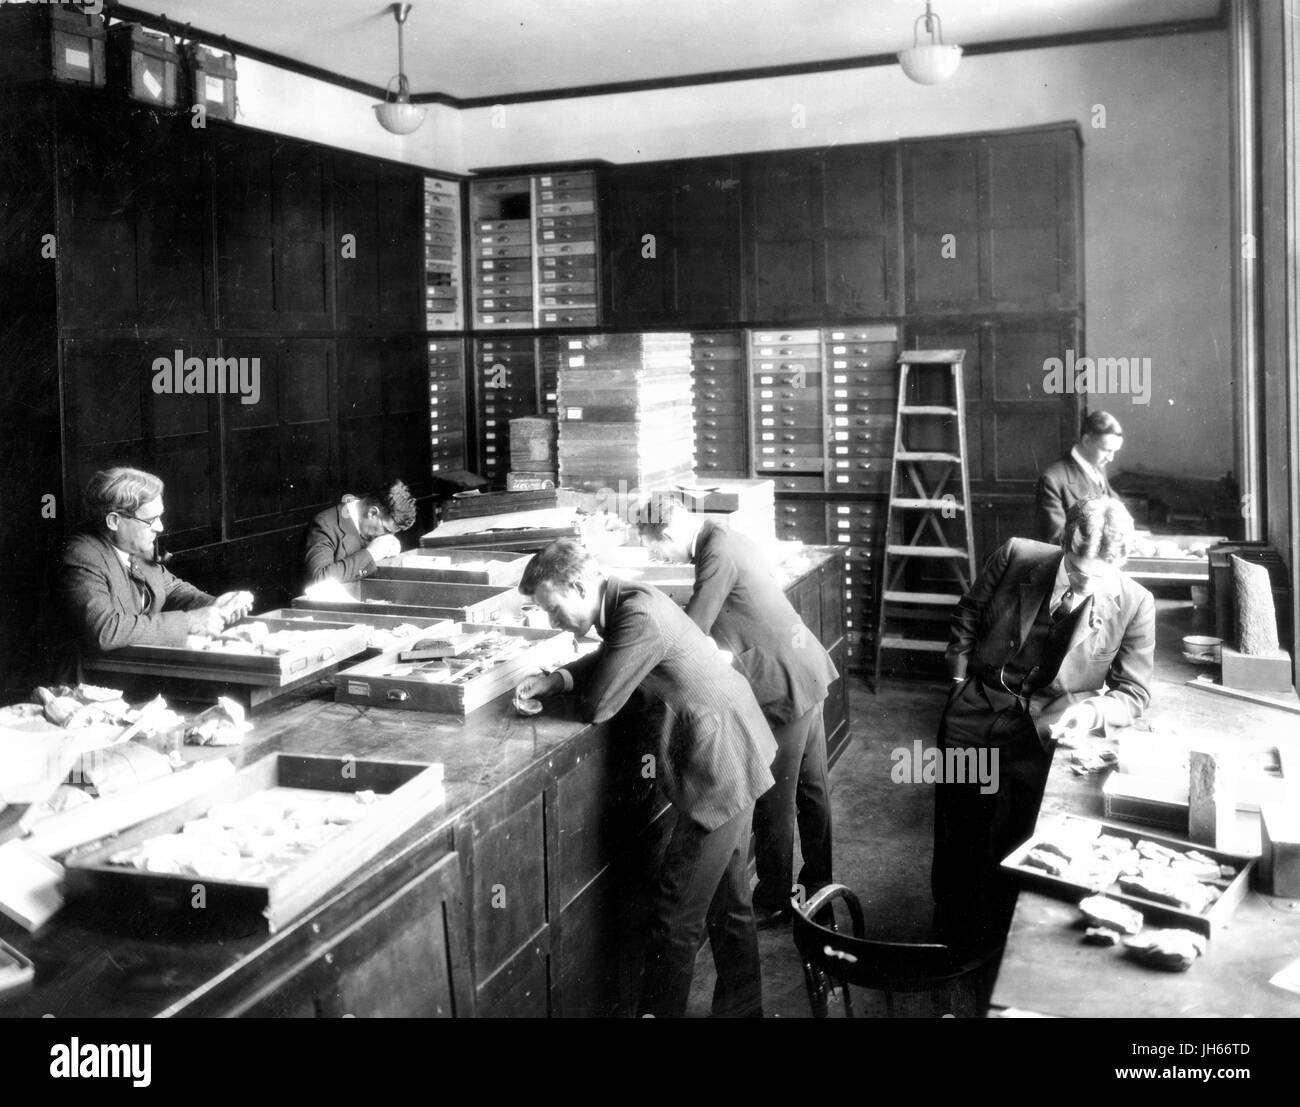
x=141, y=592
x=1065, y=606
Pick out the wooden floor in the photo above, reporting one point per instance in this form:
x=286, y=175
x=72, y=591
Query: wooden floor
x=883, y=835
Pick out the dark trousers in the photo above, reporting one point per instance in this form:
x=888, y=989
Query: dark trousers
x=974, y=832
x=802, y=794
x=703, y=882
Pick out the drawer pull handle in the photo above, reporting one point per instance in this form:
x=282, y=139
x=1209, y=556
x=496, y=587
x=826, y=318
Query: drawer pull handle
x=325, y=654
x=398, y=695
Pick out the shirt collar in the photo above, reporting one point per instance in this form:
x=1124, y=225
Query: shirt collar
x=695, y=543
x=600, y=607
x=1087, y=466
x=122, y=556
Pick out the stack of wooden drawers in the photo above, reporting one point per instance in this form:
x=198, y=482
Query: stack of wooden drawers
x=505, y=371
x=548, y=374
x=442, y=301
x=785, y=369
x=861, y=366
x=858, y=527
x=626, y=411
x=502, y=237
x=566, y=249
x=446, y=403
x=719, y=361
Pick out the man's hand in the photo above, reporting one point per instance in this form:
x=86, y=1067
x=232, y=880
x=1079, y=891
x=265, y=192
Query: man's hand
x=1077, y=721
x=386, y=545
x=207, y=622
x=234, y=605
x=539, y=685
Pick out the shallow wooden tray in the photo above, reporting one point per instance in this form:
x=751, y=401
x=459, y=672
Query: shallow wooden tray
x=368, y=682
x=1214, y=917
x=467, y=566
x=471, y=603
x=410, y=791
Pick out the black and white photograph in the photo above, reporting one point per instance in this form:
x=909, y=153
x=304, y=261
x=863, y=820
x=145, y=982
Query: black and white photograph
x=596, y=509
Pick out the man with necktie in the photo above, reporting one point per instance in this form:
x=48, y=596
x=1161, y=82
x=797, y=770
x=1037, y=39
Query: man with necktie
x=1050, y=640
x=113, y=590
x=1080, y=475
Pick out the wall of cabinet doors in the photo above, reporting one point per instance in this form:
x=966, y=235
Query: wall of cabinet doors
x=169, y=241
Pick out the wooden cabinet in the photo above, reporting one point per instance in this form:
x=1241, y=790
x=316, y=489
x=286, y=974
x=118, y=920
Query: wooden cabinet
x=821, y=234
x=993, y=222
x=672, y=243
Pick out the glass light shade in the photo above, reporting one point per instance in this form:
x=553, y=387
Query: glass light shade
x=400, y=117
x=930, y=63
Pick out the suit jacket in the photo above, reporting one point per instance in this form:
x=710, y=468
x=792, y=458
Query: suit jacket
x=1060, y=486
x=334, y=549
x=714, y=747
x=1109, y=659
x=738, y=602
x=100, y=606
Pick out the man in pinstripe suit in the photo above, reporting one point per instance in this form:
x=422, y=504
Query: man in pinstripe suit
x=713, y=756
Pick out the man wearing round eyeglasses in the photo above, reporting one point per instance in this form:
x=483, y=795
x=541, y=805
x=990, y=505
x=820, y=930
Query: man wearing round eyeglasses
x=113, y=590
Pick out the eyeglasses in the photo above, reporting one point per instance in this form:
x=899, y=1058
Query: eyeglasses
x=156, y=521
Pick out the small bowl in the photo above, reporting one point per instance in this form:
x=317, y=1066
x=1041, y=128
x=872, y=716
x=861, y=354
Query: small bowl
x=1202, y=649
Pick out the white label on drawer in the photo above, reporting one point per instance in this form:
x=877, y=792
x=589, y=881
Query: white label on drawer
x=434, y=440
x=575, y=344
x=841, y=436
x=838, y=336
x=841, y=393
x=489, y=423
x=214, y=88
x=841, y=420
x=841, y=465
x=766, y=380
x=767, y=422
x=358, y=688
x=840, y=378
x=769, y=449
x=768, y=437
x=841, y=407
x=842, y=509
x=841, y=480
x=841, y=449
x=548, y=235
x=573, y=413
x=839, y=364
x=489, y=318
x=765, y=394
x=488, y=303
x=767, y=407
x=842, y=537
x=487, y=264
x=577, y=362
x=152, y=85
x=839, y=349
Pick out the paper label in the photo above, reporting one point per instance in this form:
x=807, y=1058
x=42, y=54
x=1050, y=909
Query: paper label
x=152, y=85
x=214, y=88
x=78, y=58
x=358, y=688
x=573, y=413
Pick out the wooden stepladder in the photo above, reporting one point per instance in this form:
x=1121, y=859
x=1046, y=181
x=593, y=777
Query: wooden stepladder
x=929, y=561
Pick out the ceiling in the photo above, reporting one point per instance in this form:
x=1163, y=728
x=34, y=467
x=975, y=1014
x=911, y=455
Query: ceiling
x=482, y=49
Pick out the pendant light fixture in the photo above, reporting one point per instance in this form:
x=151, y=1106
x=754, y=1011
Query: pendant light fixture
x=929, y=63
x=397, y=114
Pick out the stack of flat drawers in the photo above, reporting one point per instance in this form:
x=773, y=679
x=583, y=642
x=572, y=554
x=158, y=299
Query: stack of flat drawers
x=447, y=403
x=505, y=375
x=566, y=249
x=719, y=361
x=801, y=521
x=858, y=527
x=861, y=365
x=785, y=369
x=548, y=373
x=442, y=301
x=502, y=237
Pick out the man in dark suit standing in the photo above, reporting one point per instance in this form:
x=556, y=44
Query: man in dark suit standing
x=113, y=589
x=345, y=542
x=1080, y=475
x=1050, y=640
x=712, y=759
x=738, y=601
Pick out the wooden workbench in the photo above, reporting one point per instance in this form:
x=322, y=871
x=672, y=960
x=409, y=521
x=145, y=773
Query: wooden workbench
x=1047, y=970
x=523, y=894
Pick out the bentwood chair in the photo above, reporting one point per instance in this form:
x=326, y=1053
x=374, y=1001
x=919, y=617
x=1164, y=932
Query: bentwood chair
x=831, y=958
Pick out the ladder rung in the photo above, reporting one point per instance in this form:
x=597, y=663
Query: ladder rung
x=926, y=409
x=936, y=599
x=927, y=645
x=936, y=505
x=925, y=551
x=926, y=455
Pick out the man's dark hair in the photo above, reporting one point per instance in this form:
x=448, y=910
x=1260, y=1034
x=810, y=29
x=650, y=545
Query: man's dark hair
x=1098, y=423
x=395, y=503
x=1100, y=527
x=563, y=561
